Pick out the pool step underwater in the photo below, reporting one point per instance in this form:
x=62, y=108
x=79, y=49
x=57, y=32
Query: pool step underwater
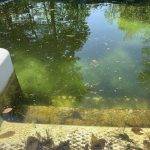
x=80, y=116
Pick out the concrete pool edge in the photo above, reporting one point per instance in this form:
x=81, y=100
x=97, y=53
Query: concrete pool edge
x=10, y=90
x=6, y=68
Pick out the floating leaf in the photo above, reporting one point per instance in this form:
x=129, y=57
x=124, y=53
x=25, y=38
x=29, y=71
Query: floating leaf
x=120, y=78
x=70, y=35
x=94, y=61
x=7, y=110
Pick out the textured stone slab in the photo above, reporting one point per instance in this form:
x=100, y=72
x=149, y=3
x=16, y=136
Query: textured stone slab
x=16, y=135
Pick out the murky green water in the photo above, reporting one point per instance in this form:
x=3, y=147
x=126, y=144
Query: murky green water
x=79, y=55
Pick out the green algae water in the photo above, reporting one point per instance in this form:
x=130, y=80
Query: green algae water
x=79, y=54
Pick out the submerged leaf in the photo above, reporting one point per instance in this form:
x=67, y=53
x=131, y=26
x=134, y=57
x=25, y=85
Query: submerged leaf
x=124, y=137
x=7, y=134
x=137, y=130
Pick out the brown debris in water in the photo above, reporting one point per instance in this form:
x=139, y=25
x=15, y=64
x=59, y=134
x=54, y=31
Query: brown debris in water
x=146, y=144
x=97, y=144
x=137, y=130
x=34, y=143
x=7, y=134
x=124, y=137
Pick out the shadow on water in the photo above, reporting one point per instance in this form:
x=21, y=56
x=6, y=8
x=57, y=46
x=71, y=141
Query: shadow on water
x=72, y=54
